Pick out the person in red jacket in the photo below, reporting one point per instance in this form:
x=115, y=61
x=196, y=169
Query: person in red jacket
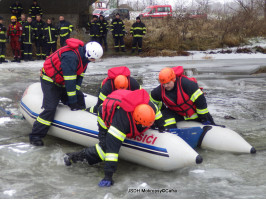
x=180, y=98
x=14, y=33
x=124, y=114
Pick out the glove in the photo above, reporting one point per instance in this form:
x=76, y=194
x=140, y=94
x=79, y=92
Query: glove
x=75, y=106
x=161, y=129
x=206, y=119
x=107, y=181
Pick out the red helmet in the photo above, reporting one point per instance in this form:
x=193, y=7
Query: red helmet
x=121, y=82
x=144, y=115
x=166, y=75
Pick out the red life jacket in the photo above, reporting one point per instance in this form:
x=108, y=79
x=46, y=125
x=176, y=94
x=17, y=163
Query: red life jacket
x=128, y=100
x=184, y=106
x=52, y=64
x=114, y=72
x=14, y=30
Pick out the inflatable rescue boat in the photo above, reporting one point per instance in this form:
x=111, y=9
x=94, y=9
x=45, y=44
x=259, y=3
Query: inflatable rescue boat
x=162, y=151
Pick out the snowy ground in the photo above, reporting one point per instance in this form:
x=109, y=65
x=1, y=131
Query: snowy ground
x=231, y=89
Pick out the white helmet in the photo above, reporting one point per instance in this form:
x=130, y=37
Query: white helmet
x=94, y=50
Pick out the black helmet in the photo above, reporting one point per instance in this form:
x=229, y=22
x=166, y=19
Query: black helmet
x=137, y=18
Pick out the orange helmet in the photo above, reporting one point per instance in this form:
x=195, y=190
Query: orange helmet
x=121, y=82
x=144, y=115
x=166, y=75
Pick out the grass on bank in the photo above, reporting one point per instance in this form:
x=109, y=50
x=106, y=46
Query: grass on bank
x=176, y=36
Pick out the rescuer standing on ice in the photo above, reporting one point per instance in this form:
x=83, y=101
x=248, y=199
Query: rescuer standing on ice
x=61, y=79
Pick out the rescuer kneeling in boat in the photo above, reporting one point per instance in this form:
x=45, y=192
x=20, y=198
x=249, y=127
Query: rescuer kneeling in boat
x=118, y=78
x=123, y=114
x=180, y=98
x=61, y=78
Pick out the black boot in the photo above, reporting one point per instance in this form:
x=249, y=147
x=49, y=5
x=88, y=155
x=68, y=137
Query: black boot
x=18, y=60
x=74, y=157
x=36, y=142
x=1, y=60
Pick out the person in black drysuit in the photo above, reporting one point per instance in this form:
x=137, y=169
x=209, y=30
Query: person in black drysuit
x=38, y=25
x=28, y=36
x=3, y=40
x=138, y=30
x=94, y=28
x=103, y=32
x=16, y=9
x=117, y=28
x=35, y=10
x=50, y=35
x=64, y=29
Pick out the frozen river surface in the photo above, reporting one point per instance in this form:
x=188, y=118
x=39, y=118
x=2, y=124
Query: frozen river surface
x=231, y=90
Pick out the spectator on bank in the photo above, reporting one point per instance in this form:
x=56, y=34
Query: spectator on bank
x=22, y=22
x=38, y=26
x=50, y=36
x=94, y=28
x=118, y=31
x=2, y=41
x=35, y=10
x=16, y=9
x=64, y=29
x=28, y=38
x=14, y=33
x=138, y=30
x=103, y=32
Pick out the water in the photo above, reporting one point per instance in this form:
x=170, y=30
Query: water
x=33, y=172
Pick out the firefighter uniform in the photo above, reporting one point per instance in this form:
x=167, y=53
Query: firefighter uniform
x=115, y=124
x=61, y=79
x=64, y=29
x=138, y=30
x=35, y=10
x=14, y=32
x=16, y=9
x=185, y=101
x=38, y=27
x=103, y=32
x=28, y=37
x=94, y=28
x=2, y=43
x=107, y=86
x=50, y=35
x=117, y=28
x=21, y=43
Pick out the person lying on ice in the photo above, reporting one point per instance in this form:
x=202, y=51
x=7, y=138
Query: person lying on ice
x=61, y=78
x=180, y=98
x=118, y=78
x=123, y=114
